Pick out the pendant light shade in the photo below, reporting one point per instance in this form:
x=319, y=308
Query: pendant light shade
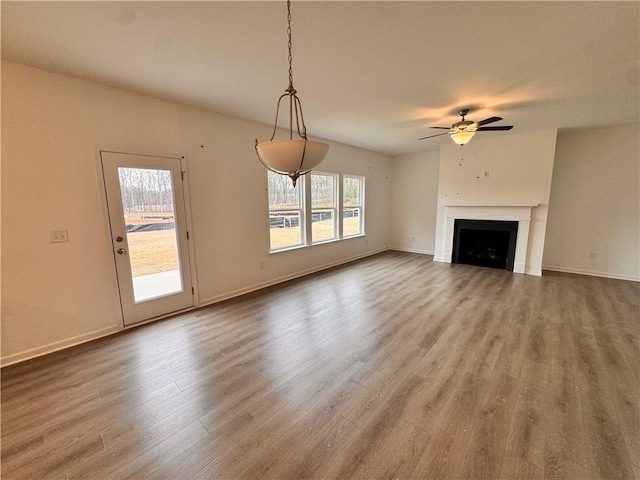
x=283, y=156
x=295, y=156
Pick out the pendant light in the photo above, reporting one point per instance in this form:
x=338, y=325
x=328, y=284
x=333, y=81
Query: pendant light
x=294, y=156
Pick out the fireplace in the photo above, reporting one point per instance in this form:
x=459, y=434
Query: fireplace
x=485, y=243
x=521, y=214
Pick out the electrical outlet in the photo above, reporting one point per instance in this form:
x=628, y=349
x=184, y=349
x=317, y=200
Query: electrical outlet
x=261, y=265
x=592, y=256
x=58, y=236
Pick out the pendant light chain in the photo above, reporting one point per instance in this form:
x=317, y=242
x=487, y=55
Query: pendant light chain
x=289, y=43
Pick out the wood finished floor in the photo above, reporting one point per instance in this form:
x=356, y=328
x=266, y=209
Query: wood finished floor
x=390, y=367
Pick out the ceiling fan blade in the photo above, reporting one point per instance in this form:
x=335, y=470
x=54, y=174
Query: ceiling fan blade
x=436, y=135
x=488, y=120
x=505, y=127
x=442, y=128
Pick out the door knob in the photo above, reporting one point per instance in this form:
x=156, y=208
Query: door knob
x=121, y=251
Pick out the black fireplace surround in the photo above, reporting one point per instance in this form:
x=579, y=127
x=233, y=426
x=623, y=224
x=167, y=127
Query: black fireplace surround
x=485, y=243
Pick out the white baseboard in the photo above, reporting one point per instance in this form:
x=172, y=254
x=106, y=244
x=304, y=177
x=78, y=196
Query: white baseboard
x=252, y=288
x=411, y=250
x=529, y=271
x=59, y=345
x=591, y=273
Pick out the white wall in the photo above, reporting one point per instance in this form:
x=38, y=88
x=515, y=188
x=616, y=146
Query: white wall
x=502, y=171
x=414, y=194
x=595, y=204
x=55, y=295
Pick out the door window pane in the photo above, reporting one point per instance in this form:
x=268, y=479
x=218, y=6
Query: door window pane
x=147, y=200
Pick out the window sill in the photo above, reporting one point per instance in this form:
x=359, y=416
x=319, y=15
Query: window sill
x=325, y=242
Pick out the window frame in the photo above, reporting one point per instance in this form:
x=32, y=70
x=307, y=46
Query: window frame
x=301, y=216
x=360, y=206
x=334, y=208
x=305, y=211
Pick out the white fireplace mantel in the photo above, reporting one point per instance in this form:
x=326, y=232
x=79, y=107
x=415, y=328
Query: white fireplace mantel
x=519, y=213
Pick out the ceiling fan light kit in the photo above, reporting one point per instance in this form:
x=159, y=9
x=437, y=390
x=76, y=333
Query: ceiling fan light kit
x=462, y=137
x=463, y=131
x=292, y=157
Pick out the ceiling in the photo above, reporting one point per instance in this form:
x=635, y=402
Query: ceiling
x=374, y=74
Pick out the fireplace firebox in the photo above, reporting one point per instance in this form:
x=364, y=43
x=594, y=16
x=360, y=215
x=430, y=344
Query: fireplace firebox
x=485, y=243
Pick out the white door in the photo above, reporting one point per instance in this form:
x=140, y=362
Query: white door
x=147, y=216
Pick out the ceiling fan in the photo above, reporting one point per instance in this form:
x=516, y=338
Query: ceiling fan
x=461, y=132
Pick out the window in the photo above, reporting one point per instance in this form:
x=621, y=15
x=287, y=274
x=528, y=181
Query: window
x=286, y=212
x=310, y=213
x=323, y=207
x=352, y=195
